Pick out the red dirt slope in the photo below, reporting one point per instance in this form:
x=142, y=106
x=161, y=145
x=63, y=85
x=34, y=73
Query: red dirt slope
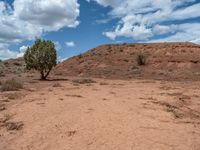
x=164, y=61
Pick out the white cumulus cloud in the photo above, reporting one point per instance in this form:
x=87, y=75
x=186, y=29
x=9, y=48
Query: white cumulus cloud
x=22, y=50
x=70, y=44
x=57, y=45
x=146, y=19
x=29, y=19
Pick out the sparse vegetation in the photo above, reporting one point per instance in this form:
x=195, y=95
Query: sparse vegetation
x=14, y=125
x=136, y=69
x=71, y=133
x=2, y=107
x=174, y=111
x=17, y=63
x=84, y=81
x=41, y=57
x=2, y=74
x=57, y=85
x=4, y=119
x=141, y=59
x=5, y=122
x=11, y=85
x=103, y=83
x=80, y=56
x=13, y=96
x=1, y=69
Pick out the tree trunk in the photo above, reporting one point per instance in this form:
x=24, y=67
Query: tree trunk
x=44, y=76
x=47, y=74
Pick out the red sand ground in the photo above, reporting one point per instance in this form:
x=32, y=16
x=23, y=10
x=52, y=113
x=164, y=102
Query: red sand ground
x=107, y=115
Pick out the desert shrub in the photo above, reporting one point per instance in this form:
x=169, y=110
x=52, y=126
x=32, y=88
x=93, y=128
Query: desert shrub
x=80, y=56
x=141, y=59
x=41, y=57
x=17, y=64
x=11, y=85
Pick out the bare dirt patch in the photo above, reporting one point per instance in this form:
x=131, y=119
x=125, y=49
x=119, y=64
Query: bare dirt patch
x=118, y=115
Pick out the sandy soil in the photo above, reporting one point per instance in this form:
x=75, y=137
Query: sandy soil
x=107, y=115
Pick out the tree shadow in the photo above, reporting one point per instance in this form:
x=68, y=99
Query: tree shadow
x=56, y=79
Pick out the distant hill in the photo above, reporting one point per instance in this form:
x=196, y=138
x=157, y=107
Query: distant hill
x=176, y=61
x=164, y=61
x=12, y=66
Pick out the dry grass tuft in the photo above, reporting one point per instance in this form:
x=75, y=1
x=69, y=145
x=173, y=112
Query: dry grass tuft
x=14, y=125
x=11, y=85
x=9, y=125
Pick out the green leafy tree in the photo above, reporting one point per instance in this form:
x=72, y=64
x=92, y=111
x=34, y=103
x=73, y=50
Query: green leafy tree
x=41, y=57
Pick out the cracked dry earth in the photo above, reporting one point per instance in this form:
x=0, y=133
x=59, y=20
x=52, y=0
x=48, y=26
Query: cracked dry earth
x=107, y=115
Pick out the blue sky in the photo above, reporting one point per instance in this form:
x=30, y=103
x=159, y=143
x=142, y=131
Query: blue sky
x=87, y=35
x=76, y=26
